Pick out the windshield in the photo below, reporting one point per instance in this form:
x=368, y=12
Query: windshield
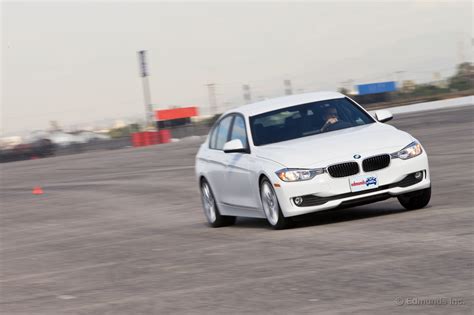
x=306, y=120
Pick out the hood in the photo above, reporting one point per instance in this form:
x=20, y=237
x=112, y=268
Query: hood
x=335, y=146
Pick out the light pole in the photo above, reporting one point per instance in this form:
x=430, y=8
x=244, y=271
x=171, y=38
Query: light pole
x=211, y=90
x=288, y=87
x=247, y=94
x=146, y=90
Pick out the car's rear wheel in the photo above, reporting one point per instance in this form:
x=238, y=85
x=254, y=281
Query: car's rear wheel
x=213, y=216
x=416, y=199
x=271, y=207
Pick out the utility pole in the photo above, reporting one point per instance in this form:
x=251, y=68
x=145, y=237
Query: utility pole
x=211, y=89
x=247, y=94
x=146, y=90
x=288, y=88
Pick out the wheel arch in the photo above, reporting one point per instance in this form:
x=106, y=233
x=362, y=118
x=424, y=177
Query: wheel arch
x=202, y=178
x=261, y=177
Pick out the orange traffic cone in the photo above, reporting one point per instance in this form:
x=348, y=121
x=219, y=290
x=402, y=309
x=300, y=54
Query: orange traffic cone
x=37, y=190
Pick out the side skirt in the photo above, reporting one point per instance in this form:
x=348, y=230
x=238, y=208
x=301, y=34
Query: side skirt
x=236, y=211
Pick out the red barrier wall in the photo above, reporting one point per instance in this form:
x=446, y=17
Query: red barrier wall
x=145, y=138
x=137, y=139
x=165, y=136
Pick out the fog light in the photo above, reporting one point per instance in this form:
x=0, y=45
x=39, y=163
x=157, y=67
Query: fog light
x=298, y=200
x=418, y=175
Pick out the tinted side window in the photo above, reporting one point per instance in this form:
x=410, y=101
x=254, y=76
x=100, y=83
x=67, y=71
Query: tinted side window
x=238, y=130
x=212, y=138
x=223, y=132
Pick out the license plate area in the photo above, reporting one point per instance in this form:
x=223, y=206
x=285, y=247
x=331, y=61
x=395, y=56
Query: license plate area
x=363, y=182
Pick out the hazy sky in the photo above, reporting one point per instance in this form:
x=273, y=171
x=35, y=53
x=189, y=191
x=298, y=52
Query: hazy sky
x=76, y=62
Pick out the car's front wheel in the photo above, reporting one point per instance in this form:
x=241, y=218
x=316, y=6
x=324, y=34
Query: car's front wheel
x=271, y=207
x=213, y=216
x=416, y=199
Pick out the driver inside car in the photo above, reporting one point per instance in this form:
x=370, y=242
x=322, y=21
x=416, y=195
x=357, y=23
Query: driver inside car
x=332, y=120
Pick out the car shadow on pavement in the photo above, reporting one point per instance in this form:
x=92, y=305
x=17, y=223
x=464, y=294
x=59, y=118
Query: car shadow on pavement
x=331, y=216
x=348, y=214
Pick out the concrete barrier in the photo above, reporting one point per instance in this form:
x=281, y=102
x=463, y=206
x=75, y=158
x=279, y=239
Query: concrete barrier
x=441, y=104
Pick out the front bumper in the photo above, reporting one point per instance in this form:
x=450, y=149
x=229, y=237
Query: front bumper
x=325, y=192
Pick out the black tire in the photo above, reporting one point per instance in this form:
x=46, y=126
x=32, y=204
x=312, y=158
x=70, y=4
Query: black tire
x=214, y=219
x=275, y=217
x=416, y=199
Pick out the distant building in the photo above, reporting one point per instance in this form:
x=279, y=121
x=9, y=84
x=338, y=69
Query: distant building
x=442, y=84
x=376, y=92
x=408, y=86
x=175, y=117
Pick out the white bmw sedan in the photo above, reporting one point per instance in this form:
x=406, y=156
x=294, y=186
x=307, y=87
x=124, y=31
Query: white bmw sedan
x=298, y=154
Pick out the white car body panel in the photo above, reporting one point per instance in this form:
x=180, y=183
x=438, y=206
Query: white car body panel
x=234, y=177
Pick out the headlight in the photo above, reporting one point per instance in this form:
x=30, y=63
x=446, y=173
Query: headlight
x=408, y=152
x=296, y=174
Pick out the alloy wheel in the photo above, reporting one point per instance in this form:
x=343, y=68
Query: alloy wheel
x=208, y=202
x=270, y=203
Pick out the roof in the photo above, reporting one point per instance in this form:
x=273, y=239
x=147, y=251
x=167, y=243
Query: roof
x=285, y=101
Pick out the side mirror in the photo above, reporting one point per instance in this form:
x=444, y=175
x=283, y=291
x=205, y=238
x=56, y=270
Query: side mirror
x=383, y=115
x=234, y=146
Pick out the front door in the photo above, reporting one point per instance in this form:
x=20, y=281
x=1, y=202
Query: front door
x=239, y=190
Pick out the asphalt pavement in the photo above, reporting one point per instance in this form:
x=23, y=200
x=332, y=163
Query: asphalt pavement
x=122, y=232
